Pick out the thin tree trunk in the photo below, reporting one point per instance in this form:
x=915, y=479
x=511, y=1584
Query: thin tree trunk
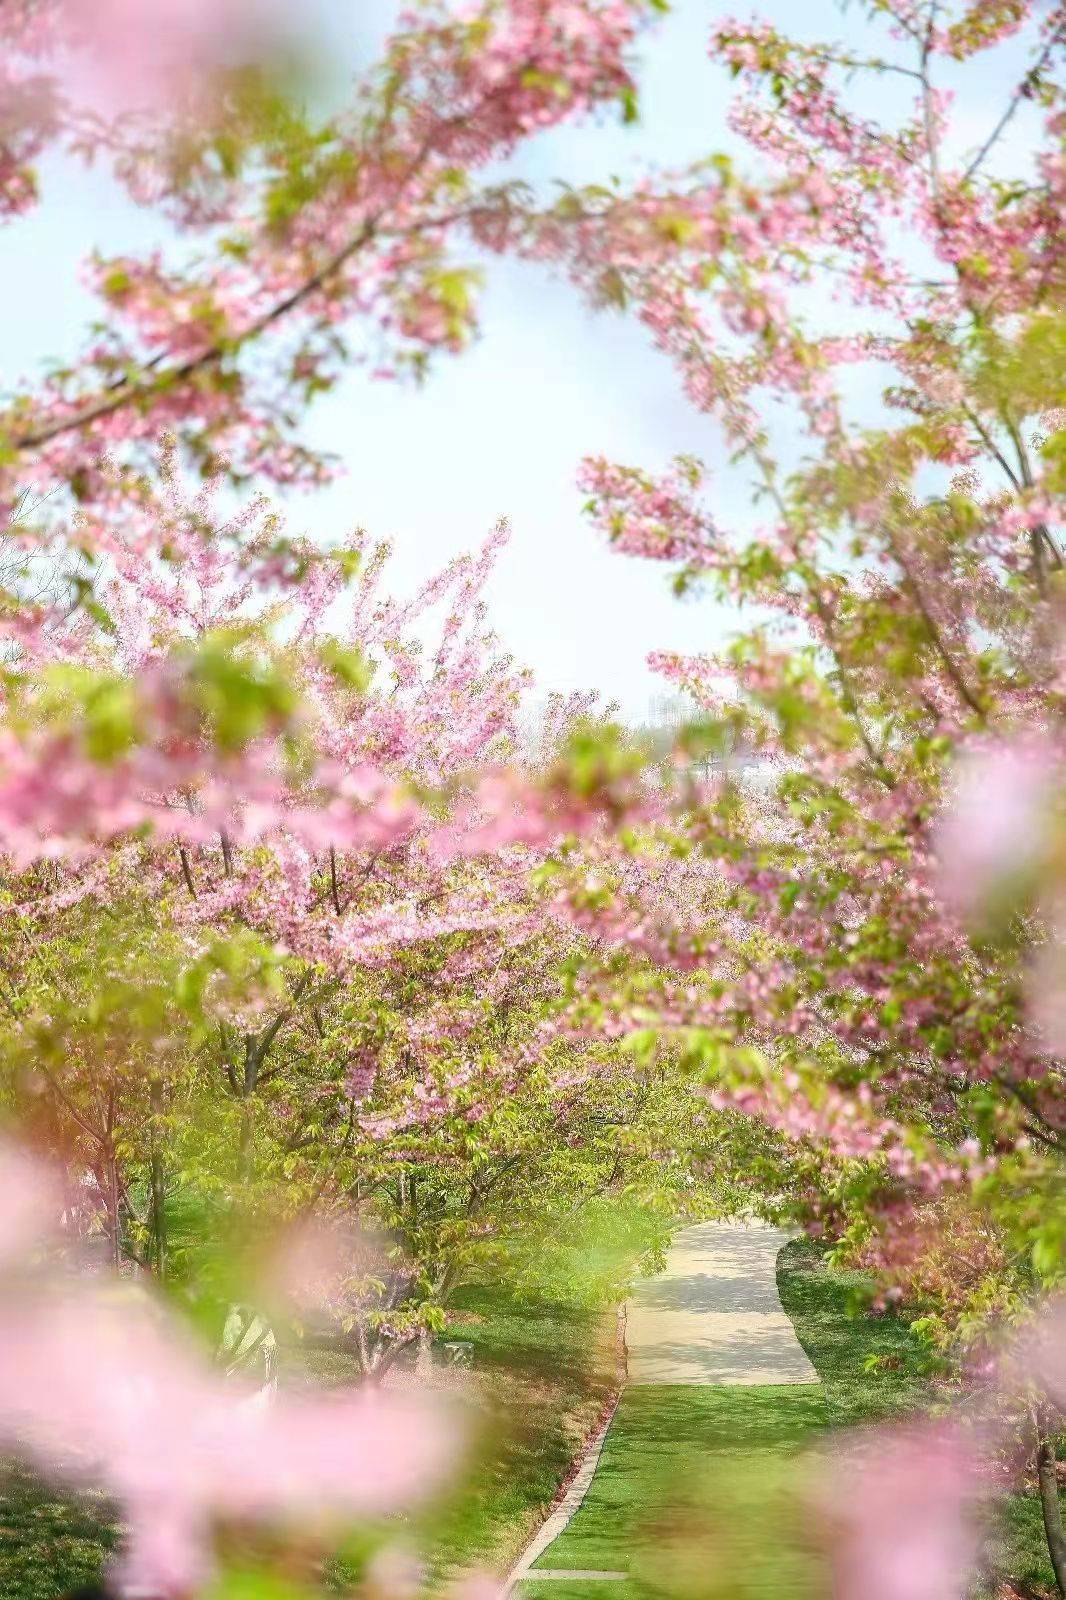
x=159, y=1216
x=386, y=1358
x=1050, y=1505
x=424, y=1358
x=246, y=1157
x=113, y=1216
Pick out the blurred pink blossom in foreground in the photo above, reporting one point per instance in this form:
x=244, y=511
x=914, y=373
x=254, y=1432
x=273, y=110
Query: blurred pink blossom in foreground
x=29, y=1201
x=132, y=52
x=906, y=1514
x=997, y=823
x=1038, y=1357
x=97, y=1385
x=903, y=1519
x=1000, y=844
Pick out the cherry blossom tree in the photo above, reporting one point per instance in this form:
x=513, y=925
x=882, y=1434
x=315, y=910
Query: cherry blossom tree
x=288, y=911
x=259, y=850
x=905, y=584
x=878, y=976
x=310, y=242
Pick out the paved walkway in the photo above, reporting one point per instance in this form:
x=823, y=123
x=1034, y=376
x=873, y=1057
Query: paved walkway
x=714, y=1314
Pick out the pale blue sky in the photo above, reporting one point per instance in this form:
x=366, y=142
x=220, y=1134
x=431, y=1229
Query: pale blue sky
x=501, y=429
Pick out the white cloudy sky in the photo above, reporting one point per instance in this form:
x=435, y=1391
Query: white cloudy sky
x=500, y=430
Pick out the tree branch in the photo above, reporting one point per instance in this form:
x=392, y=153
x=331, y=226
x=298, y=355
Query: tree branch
x=1021, y=93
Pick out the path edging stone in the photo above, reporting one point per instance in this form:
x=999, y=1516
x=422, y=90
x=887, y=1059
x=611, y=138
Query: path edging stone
x=578, y=1487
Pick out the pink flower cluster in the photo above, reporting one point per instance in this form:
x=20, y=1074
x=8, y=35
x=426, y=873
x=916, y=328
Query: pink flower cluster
x=102, y=1388
x=642, y=516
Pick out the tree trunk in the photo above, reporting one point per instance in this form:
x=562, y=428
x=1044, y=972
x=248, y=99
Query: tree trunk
x=424, y=1358
x=158, y=1179
x=1052, y=1509
x=385, y=1357
x=246, y=1156
x=114, y=1220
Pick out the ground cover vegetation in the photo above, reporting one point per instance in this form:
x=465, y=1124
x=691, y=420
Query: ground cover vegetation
x=692, y=1478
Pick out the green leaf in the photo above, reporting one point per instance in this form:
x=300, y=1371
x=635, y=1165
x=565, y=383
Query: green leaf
x=347, y=664
x=239, y=694
x=350, y=562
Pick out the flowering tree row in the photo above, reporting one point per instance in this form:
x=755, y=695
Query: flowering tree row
x=880, y=978
x=284, y=995
x=289, y=984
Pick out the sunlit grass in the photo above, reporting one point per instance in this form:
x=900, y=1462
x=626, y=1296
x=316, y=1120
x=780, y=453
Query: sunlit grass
x=694, y=1488
x=694, y=1494
x=700, y=1491
x=51, y=1544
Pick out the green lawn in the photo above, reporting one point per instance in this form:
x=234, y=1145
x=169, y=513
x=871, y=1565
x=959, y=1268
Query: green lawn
x=544, y=1371
x=827, y=1311
x=691, y=1482
x=50, y=1543
x=695, y=1494
x=820, y=1303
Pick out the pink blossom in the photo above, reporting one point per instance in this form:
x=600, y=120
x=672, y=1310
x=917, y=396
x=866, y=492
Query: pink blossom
x=902, y=1514
x=996, y=823
x=1038, y=1356
x=135, y=53
x=102, y=1389
x=30, y=1202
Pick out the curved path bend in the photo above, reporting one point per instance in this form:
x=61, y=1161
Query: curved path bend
x=714, y=1315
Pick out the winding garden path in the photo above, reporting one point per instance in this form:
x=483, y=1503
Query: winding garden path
x=710, y=1324
x=714, y=1314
